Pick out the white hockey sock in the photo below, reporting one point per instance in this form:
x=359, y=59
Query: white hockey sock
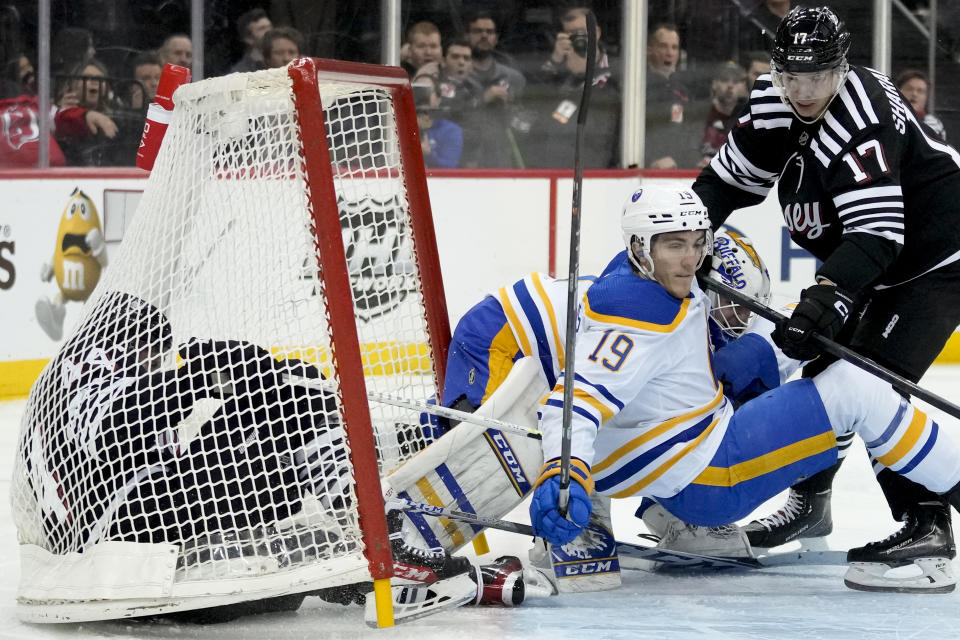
x=900, y=436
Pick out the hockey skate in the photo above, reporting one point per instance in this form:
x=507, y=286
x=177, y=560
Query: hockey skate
x=805, y=518
x=415, y=564
x=925, y=542
x=727, y=541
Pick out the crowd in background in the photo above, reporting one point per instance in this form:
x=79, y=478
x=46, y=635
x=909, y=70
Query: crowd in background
x=497, y=85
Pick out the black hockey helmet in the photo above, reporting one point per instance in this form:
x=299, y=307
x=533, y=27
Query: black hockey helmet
x=810, y=39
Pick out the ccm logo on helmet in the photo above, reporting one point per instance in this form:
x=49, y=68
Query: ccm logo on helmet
x=800, y=58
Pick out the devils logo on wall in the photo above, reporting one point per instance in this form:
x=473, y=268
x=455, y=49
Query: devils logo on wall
x=379, y=255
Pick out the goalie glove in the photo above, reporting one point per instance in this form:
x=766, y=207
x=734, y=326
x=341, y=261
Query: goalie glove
x=544, y=514
x=822, y=309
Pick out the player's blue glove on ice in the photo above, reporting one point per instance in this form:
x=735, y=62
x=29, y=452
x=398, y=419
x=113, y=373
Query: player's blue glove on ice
x=544, y=516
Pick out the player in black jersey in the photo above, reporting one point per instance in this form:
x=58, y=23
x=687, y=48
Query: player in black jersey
x=876, y=197
x=104, y=455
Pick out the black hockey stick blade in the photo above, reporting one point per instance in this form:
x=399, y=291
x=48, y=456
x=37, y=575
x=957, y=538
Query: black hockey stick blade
x=829, y=346
x=574, y=266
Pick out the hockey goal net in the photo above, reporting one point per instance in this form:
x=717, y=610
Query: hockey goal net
x=204, y=436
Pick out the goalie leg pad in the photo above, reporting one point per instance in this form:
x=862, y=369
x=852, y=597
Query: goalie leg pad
x=473, y=469
x=935, y=576
x=589, y=562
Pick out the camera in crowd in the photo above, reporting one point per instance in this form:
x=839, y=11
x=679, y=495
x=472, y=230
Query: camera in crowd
x=578, y=40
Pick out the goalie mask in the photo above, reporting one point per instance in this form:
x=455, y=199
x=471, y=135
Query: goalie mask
x=736, y=263
x=650, y=211
x=809, y=60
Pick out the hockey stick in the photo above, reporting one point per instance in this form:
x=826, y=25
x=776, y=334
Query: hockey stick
x=461, y=416
x=631, y=550
x=637, y=551
x=829, y=346
x=563, y=498
x=443, y=412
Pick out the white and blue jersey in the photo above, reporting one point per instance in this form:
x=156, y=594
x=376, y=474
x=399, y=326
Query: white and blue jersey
x=650, y=417
x=648, y=413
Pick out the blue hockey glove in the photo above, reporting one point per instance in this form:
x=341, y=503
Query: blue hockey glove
x=544, y=515
x=822, y=309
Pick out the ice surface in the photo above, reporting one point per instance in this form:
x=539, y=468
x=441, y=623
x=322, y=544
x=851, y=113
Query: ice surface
x=794, y=602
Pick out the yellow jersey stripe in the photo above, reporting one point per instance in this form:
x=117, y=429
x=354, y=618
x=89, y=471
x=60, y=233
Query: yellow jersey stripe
x=662, y=469
x=553, y=317
x=605, y=412
x=777, y=459
x=639, y=324
x=660, y=429
x=503, y=348
x=431, y=497
x=907, y=442
x=515, y=322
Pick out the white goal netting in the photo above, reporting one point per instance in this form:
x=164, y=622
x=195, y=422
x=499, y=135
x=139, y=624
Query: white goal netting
x=185, y=447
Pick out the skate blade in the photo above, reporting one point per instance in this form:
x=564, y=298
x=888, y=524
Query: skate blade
x=412, y=602
x=818, y=543
x=935, y=576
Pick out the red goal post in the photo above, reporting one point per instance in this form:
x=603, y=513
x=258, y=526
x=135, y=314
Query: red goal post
x=285, y=233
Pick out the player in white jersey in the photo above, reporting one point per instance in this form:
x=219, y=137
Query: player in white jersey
x=651, y=419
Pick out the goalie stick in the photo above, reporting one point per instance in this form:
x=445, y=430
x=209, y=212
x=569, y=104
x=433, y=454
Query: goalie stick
x=829, y=346
x=563, y=497
x=635, y=551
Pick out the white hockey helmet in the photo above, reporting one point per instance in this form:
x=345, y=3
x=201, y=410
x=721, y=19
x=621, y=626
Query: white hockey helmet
x=653, y=210
x=736, y=263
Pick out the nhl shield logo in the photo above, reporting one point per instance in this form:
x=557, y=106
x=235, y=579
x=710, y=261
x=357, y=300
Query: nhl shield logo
x=377, y=242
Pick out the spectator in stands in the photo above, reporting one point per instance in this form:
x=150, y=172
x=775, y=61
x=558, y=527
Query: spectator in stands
x=728, y=97
x=459, y=91
x=20, y=134
x=502, y=87
x=177, y=49
x=757, y=63
x=441, y=140
x=251, y=27
x=667, y=145
x=915, y=87
x=147, y=68
x=553, y=98
x=423, y=46
x=88, y=88
x=280, y=46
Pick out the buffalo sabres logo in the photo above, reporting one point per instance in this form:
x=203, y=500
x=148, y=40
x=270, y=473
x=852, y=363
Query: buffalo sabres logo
x=804, y=137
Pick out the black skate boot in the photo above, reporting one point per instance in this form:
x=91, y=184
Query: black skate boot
x=926, y=540
x=805, y=516
x=414, y=564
